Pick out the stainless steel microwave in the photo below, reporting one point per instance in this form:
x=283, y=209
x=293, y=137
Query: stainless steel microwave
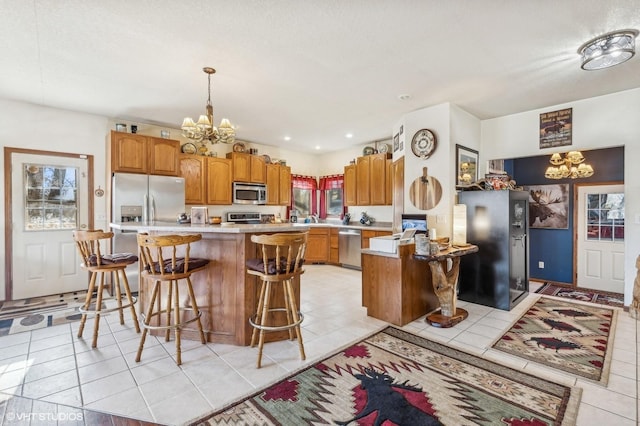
x=249, y=193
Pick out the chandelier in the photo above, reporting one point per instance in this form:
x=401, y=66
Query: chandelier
x=571, y=166
x=608, y=50
x=202, y=131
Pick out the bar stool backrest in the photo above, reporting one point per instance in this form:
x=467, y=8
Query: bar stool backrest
x=168, y=257
x=281, y=256
x=91, y=245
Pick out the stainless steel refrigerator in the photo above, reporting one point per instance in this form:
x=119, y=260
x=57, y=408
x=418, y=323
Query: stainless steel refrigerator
x=146, y=199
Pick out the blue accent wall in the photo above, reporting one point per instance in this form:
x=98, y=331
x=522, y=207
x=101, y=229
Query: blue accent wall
x=554, y=247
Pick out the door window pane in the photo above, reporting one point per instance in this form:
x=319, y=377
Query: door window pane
x=605, y=217
x=51, y=197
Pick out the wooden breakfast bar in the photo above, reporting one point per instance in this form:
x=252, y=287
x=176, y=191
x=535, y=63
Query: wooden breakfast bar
x=225, y=293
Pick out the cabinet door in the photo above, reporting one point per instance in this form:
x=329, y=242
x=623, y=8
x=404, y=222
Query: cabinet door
x=377, y=179
x=273, y=184
x=241, y=166
x=129, y=153
x=317, y=245
x=219, y=175
x=285, y=186
x=365, y=236
x=334, y=246
x=163, y=154
x=389, y=183
x=350, y=188
x=363, y=184
x=258, y=169
x=193, y=168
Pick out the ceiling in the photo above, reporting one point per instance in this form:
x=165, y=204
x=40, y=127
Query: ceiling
x=310, y=70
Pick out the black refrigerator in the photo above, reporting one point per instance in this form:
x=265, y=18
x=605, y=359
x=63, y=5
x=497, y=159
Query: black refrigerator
x=498, y=274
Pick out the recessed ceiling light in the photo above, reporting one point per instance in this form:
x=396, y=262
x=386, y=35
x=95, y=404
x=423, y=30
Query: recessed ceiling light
x=287, y=138
x=348, y=135
x=317, y=146
x=404, y=97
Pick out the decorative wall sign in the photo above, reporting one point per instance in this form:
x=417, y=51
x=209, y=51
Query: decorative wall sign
x=548, y=206
x=556, y=128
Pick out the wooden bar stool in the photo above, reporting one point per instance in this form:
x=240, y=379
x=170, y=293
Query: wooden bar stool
x=166, y=258
x=280, y=261
x=89, y=246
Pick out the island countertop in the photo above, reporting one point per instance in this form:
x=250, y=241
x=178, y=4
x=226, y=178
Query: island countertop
x=219, y=229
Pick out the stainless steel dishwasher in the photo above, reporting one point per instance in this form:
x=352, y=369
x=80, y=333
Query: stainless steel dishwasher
x=350, y=244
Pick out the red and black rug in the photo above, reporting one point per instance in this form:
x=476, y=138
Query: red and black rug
x=395, y=377
x=583, y=295
x=568, y=336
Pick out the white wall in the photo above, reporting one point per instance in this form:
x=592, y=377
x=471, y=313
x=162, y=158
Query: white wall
x=601, y=122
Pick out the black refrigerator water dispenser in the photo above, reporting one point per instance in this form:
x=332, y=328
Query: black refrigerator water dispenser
x=498, y=274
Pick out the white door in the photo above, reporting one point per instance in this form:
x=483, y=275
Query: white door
x=49, y=199
x=600, y=246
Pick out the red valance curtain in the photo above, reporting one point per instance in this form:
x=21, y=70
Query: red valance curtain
x=326, y=183
x=304, y=182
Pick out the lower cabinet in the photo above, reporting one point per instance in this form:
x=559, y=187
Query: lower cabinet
x=366, y=235
x=317, y=245
x=334, y=246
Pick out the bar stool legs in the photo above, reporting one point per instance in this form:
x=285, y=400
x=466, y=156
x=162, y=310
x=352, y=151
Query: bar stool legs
x=98, y=311
x=260, y=320
x=173, y=310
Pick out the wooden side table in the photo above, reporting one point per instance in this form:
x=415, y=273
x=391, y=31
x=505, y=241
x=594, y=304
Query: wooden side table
x=445, y=284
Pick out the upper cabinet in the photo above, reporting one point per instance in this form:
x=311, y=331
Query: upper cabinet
x=350, y=186
x=248, y=167
x=193, y=168
x=367, y=182
x=207, y=180
x=134, y=153
x=278, y=185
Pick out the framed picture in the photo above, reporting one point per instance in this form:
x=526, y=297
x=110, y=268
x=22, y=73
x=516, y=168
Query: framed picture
x=548, y=206
x=466, y=165
x=199, y=215
x=396, y=142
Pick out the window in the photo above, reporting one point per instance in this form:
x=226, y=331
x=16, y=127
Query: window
x=51, y=200
x=605, y=217
x=331, y=190
x=304, y=195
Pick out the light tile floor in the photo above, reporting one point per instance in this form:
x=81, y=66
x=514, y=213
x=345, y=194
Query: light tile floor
x=53, y=365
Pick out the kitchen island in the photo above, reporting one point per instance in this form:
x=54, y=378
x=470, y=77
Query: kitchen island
x=226, y=294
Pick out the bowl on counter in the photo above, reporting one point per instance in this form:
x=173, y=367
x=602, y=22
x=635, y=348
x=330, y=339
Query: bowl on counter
x=215, y=220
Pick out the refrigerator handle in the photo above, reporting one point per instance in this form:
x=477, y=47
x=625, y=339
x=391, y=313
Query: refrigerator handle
x=152, y=209
x=145, y=209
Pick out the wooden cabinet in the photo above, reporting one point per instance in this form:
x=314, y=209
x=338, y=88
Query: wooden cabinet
x=219, y=183
x=285, y=186
x=134, y=153
x=193, y=168
x=334, y=246
x=248, y=167
x=368, y=183
x=317, y=245
x=278, y=184
x=207, y=180
x=367, y=234
x=398, y=289
x=350, y=186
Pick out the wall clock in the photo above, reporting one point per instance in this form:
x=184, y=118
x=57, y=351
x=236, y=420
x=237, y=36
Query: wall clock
x=423, y=143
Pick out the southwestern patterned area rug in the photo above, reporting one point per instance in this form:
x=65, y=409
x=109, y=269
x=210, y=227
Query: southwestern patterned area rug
x=395, y=377
x=583, y=295
x=568, y=336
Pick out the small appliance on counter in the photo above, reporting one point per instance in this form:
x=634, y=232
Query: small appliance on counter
x=243, y=217
x=184, y=218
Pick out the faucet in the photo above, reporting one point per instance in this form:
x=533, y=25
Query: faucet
x=314, y=218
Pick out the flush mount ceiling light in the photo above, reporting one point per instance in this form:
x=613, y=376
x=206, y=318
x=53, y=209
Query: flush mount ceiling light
x=204, y=130
x=608, y=50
